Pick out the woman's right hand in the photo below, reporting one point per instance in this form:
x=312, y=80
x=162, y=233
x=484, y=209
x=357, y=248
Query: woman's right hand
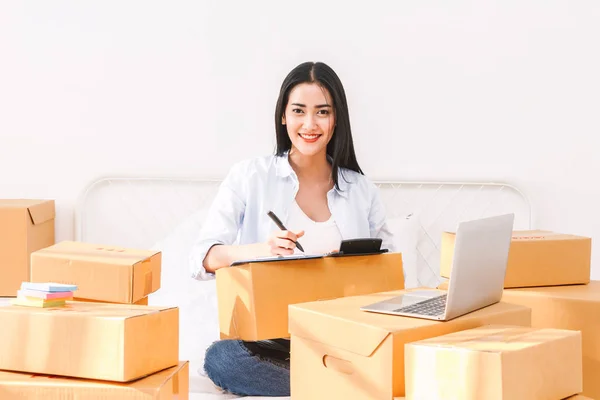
x=278, y=243
x=283, y=242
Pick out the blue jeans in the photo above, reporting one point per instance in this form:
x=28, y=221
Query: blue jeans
x=235, y=368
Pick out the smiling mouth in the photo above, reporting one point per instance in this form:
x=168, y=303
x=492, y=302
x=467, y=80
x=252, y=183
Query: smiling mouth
x=307, y=136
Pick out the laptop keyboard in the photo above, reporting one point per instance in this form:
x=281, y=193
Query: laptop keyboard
x=434, y=306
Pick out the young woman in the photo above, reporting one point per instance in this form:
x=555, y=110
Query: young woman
x=315, y=185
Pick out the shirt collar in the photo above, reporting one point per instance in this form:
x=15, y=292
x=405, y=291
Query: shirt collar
x=284, y=169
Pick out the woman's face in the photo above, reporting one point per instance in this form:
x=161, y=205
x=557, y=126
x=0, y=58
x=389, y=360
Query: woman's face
x=309, y=118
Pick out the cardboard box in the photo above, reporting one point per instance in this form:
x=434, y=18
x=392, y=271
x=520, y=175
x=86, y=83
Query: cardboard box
x=576, y=397
x=495, y=363
x=341, y=352
x=25, y=226
x=444, y=285
x=141, y=302
x=253, y=299
x=102, y=273
x=575, y=307
x=172, y=383
x=536, y=258
x=114, y=342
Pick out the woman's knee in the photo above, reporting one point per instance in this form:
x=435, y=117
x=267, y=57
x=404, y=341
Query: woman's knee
x=234, y=368
x=221, y=360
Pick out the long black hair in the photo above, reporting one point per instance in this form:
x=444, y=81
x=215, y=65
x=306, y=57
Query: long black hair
x=340, y=148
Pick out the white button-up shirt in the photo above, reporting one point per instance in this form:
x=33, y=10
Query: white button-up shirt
x=238, y=214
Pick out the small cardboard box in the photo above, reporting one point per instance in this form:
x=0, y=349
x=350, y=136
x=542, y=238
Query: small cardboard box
x=102, y=273
x=536, y=258
x=341, y=352
x=444, y=285
x=574, y=307
x=171, y=383
x=141, y=302
x=253, y=298
x=495, y=363
x=25, y=226
x=114, y=342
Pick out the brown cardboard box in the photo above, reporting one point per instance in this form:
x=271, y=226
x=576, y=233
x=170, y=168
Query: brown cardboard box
x=576, y=397
x=443, y=285
x=172, y=383
x=495, y=363
x=341, y=352
x=575, y=307
x=253, y=299
x=114, y=342
x=102, y=273
x=141, y=302
x=536, y=258
x=25, y=226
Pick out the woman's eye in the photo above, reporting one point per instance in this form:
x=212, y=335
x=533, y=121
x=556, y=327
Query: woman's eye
x=323, y=112
x=296, y=110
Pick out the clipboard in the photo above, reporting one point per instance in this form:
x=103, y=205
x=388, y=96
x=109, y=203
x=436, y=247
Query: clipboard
x=349, y=247
x=277, y=258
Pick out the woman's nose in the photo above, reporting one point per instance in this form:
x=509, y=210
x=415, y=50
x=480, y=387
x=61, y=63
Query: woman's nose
x=309, y=122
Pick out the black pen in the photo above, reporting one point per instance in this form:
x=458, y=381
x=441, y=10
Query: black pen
x=283, y=228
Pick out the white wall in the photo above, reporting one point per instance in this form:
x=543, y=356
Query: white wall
x=479, y=90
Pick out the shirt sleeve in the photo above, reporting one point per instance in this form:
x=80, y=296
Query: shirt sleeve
x=377, y=221
x=223, y=221
x=378, y=225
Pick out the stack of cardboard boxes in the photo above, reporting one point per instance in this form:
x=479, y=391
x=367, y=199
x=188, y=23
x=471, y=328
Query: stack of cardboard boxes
x=549, y=273
x=104, y=344
x=539, y=342
x=341, y=352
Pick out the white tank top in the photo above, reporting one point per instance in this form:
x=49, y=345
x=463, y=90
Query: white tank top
x=319, y=237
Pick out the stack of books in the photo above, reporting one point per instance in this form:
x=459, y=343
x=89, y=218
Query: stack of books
x=43, y=295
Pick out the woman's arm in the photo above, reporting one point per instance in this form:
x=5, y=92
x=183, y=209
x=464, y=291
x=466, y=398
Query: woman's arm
x=214, y=248
x=279, y=243
x=222, y=223
x=220, y=256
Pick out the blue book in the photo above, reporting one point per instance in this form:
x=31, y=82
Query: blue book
x=48, y=286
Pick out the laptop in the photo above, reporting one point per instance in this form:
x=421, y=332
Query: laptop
x=476, y=279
